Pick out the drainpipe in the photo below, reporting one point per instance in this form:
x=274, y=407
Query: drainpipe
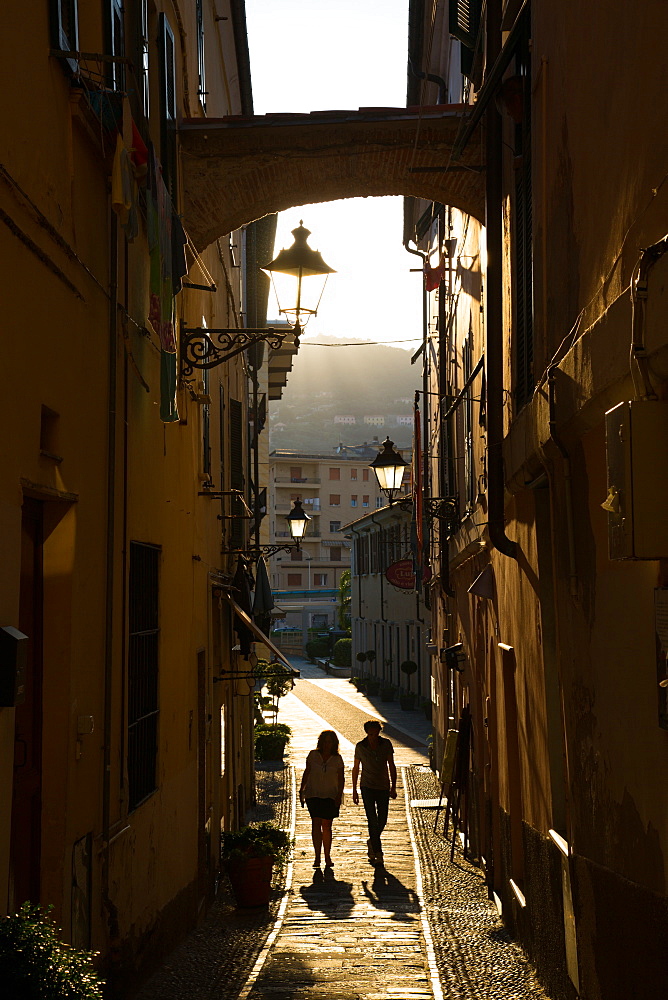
x=112, y=912
x=572, y=570
x=494, y=326
x=431, y=78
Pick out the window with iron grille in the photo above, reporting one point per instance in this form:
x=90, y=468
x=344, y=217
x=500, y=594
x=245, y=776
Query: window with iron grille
x=201, y=89
x=335, y=554
x=115, y=44
x=65, y=29
x=320, y=579
x=143, y=649
x=167, y=60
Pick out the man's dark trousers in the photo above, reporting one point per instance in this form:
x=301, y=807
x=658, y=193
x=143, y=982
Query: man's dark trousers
x=376, y=805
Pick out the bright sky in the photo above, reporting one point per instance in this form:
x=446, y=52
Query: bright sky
x=317, y=55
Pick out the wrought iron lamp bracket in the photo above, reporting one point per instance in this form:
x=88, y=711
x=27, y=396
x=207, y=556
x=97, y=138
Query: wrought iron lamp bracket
x=254, y=553
x=203, y=348
x=442, y=509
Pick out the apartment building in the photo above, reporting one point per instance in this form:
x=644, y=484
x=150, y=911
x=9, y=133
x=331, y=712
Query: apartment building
x=334, y=488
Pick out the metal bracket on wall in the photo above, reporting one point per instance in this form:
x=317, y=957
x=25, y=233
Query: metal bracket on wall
x=207, y=348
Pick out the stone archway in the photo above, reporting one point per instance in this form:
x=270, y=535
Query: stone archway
x=239, y=169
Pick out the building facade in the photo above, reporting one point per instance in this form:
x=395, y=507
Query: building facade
x=547, y=426
x=128, y=743
x=330, y=487
x=389, y=617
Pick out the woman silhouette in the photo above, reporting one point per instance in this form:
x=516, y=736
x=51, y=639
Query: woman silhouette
x=322, y=791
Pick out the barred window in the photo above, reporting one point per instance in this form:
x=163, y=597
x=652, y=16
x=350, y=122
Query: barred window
x=143, y=649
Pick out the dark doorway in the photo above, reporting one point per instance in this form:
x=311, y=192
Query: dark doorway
x=27, y=798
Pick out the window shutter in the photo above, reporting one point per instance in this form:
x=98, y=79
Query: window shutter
x=465, y=21
x=236, y=471
x=167, y=59
x=115, y=44
x=65, y=29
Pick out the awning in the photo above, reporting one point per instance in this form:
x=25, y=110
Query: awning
x=259, y=634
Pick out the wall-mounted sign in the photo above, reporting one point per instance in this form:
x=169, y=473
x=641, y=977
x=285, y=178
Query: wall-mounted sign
x=400, y=574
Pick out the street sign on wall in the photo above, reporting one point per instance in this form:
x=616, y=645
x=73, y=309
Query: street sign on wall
x=400, y=574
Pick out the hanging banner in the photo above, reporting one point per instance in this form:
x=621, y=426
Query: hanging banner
x=401, y=574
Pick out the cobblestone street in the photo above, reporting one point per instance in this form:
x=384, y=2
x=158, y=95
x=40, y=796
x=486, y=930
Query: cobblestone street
x=418, y=927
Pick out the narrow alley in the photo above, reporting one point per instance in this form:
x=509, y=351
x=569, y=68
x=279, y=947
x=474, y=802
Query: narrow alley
x=419, y=927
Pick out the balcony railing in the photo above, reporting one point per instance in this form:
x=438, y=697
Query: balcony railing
x=287, y=481
x=285, y=508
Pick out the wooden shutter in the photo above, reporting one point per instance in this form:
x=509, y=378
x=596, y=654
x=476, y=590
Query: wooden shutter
x=236, y=472
x=465, y=21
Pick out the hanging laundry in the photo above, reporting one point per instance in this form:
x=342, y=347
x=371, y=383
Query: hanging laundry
x=139, y=153
x=434, y=275
x=124, y=191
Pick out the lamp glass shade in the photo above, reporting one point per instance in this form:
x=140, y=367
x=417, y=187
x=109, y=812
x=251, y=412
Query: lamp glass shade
x=389, y=468
x=299, y=261
x=297, y=520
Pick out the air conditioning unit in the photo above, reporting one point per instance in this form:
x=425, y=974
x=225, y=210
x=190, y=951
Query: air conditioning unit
x=636, y=434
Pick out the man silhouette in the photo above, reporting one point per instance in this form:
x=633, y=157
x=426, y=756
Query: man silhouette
x=378, y=783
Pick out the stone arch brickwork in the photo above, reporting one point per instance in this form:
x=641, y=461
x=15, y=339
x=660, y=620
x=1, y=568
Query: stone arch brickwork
x=239, y=169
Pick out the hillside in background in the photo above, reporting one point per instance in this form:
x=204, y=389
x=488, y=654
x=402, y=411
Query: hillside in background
x=333, y=381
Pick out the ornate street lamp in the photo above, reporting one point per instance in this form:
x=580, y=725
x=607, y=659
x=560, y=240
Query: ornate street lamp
x=297, y=520
x=389, y=467
x=299, y=261
x=208, y=348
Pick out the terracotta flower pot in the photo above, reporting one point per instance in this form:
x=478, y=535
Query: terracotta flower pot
x=251, y=881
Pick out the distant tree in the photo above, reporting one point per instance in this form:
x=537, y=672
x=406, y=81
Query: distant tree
x=344, y=600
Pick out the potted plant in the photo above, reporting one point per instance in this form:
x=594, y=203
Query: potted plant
x=249, y=856
x=407, y=700
x=373, y=685
x=361, y=659
x=271, y=740
x=387, y=691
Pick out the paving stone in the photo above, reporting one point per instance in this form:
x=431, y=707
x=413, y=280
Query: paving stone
x=357, y=935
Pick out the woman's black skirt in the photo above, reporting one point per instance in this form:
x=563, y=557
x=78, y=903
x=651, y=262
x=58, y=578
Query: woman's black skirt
x=322, y=808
